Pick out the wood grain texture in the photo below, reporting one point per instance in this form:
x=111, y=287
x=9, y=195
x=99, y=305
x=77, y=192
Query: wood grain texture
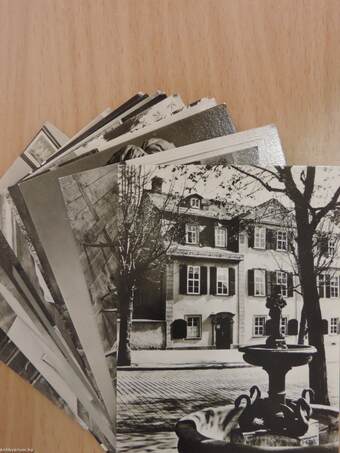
x=29, y=420
x=66, y=60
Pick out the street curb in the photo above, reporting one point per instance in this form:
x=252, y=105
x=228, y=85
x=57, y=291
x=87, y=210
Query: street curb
x=191, y=366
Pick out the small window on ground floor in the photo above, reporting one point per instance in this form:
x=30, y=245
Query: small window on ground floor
x=194, y=326
x=334, y=326
x=284, y=325
x=259, y=326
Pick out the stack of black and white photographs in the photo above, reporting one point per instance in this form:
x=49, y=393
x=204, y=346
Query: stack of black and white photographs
x=168, y=282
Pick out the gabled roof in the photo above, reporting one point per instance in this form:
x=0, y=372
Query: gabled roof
x=270, y=212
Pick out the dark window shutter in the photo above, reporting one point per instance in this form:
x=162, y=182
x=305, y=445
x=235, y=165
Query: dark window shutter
x=233, y=235
x=251, y=233
x=324, y=325
x=323, y=246
x=270, y=239
x=291, y=240
x=293, y=327
x=321, y=286
x=203, y=279
x=183, y=273
x=270, y=282
x=181, y=233
x=207, y=235
x=268, y=327
x=273, y=280
x=250, y=282
x=179, y=329
x=213, y=280
x=231, y=281
x=328, y=285
x=290, y=284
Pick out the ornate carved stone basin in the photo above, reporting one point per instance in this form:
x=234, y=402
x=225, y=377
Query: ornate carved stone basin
x=211, y=431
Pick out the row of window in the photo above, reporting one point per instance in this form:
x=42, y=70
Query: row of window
x=260, y=281
x=192, y=235
x=260, y=238
x=260, y=330
x=328, y=285
x=191, y=327
x=194, y=280
x=277, y=240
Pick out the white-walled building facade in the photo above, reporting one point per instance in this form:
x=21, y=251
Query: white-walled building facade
x=221, y=272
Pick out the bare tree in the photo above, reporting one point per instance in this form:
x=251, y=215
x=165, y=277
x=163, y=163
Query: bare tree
x=143, y=233
x=301, y=188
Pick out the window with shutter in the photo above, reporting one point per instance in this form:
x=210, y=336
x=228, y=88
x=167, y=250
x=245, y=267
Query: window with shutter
x=282, y=282
x=281, y=241
x=222, y=281
x=193, y=280
x=220, y=237
x=195, y=203
x=321, y=283
x=334, y=286
x=191, y=234
x=259, y=282
x=260, y=237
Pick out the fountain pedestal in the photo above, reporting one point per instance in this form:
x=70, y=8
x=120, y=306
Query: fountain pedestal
x=265, y=422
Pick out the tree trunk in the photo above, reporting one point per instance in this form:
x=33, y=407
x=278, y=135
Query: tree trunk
x=311, y=304
x=126, y=298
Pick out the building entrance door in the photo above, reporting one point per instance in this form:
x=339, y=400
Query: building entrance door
x=224, y=324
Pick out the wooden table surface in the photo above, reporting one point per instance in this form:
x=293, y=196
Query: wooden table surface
x=67, y=60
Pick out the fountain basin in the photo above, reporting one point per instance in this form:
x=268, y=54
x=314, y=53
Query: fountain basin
x=293, y=356
x=210, y=431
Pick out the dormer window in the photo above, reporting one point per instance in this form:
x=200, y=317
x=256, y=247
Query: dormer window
x=195, y=203
x=331, y=246
x=191, y=234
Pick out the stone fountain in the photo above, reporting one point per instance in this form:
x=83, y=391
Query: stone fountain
x=256, y=423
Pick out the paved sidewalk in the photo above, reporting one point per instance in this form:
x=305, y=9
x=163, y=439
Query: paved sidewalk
x=185, y=359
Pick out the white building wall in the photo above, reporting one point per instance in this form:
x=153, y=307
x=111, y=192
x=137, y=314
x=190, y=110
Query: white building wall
x=203, y=305
x=272, y=260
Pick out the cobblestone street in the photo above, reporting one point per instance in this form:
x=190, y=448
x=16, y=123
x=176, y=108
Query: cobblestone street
x=150, y=402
